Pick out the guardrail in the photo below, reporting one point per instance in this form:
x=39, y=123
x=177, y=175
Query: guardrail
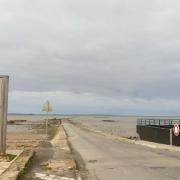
x=157, y=122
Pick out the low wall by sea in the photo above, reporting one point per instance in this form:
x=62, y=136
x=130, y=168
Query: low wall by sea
x=158, y=134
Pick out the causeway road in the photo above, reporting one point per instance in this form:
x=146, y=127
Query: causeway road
x=108, y=159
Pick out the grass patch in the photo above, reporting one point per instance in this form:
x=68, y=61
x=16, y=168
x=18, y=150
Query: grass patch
x=7, y=157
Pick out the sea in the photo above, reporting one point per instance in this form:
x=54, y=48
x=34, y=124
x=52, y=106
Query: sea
x=125, y=125
x=38, y=117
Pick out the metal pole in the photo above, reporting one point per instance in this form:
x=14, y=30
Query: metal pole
x=47, y=126
x=3, y=112
x=170, y=136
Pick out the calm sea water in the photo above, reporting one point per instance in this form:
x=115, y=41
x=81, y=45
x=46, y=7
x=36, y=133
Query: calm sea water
x=84, y=117
x=126, y=125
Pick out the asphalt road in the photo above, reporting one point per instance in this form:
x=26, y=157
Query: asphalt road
x=108, y=159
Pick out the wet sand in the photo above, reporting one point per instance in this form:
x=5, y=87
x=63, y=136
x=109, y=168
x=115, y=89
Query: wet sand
x=27, y=134
x=24, y=136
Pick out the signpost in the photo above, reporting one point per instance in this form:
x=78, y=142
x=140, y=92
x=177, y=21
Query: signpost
x=176, y=129
x=47, y=108
x=4, y=82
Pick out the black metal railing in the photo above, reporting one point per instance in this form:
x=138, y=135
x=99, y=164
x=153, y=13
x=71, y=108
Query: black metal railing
x=157, y=122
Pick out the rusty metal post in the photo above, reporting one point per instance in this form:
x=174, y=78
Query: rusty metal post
x=47, y=108
x=4, y=83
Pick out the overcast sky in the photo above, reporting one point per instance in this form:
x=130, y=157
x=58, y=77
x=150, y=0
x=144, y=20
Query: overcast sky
x=89, y=56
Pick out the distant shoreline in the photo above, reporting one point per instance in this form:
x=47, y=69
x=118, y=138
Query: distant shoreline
x=97, y=115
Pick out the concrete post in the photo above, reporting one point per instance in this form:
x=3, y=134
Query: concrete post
x=4, y=82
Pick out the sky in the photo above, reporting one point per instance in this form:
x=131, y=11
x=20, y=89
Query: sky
x=92, y=57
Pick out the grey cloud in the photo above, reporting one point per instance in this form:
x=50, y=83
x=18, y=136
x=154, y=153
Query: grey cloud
x=108, y=48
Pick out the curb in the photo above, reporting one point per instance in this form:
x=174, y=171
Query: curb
x=18, y=166
x=11, y=161
x=71, y=149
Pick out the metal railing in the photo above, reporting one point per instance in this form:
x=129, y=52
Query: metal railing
x=157, y=122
